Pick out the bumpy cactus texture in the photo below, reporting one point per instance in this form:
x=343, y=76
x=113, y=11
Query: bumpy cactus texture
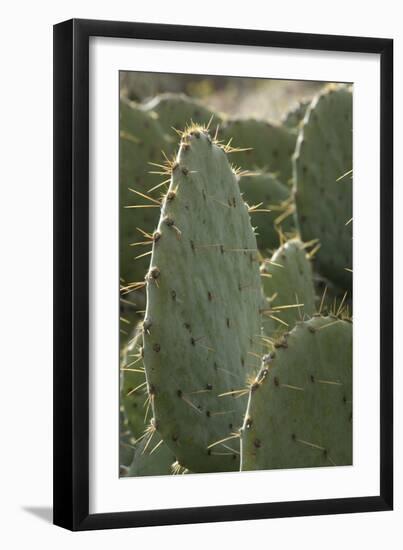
x=269, y=147
x=202, y=321
x=272, y=201
x=300, y=410
x=288, y=284
x=177, y=111
x=323, y=196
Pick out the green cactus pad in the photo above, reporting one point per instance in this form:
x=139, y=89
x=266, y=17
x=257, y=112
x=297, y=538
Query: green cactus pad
x=287, y=281
x=299, y=413
x=141, y=448
x=333, y=301
x=130, y=315
x=265, y=190
x=133, y=386
x=271, y=146
x=295, y=116
x=323, y=196
x=151, y=458
x=178, y=111
x=202, y=322
x=141, y=142
x=126, y=444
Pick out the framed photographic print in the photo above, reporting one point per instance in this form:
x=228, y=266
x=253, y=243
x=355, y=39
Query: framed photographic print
x=223, y=274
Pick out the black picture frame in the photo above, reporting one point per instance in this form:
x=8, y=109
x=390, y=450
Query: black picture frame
x=71, y=273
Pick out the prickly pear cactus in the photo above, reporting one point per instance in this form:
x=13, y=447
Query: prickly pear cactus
x=273, y=208
x=177, y=111
x=202, y=323
x=299, y=413
x=267, y=147
x=288, y=285
x=141, y=142
x=323, y=182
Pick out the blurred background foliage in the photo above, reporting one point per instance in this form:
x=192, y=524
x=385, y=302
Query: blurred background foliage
x=238, y=97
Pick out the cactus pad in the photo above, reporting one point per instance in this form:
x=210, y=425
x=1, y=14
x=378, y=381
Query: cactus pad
x=266, y=191
x=126, y=443
x=202, y=323
x=323, y=196
x=133, y=386
x=300, y=406
x=177, y=111
x=270, y=147
x=151, y=458
x=287, y=281
x=295, y=116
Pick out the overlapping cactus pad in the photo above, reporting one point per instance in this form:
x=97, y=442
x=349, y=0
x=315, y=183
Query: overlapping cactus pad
x=152, y=457
x=202, y=318
x=300, y=405
x=141, y=141
x=177, y=111
x=288, y=284
x=126, y=443
x=293, y=119
x=273, y=208
x=267, y=147
x=323, y=181
x=133, y=386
